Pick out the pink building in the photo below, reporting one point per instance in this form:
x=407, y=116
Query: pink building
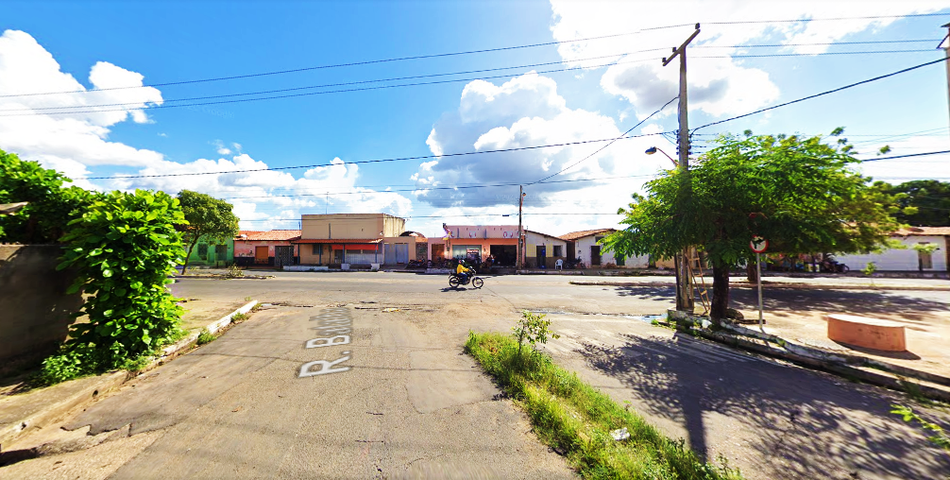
x=271, y=248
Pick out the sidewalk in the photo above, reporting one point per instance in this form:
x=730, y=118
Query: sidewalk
x=28, y=413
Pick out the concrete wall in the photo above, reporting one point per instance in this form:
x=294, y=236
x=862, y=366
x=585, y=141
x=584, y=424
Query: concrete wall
x=212, y=258
x=351, y=226
x=583, y=246
x=33, y=301
x=901, y=260
x=533, y=240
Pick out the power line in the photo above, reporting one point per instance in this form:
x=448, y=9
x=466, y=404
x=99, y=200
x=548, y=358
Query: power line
x=166, y=103
x=831, y=19
x=336, y=65
x=622, y=136
x=905, y=156
x=546, y=214
x=827, y=92
x=417, y=189
x=817, y=44
x=823, y=54
x=79, y=108
x=460, y=53
x=362, y=162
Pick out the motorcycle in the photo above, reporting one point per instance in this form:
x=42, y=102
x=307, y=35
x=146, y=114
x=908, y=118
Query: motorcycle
x=455, y=280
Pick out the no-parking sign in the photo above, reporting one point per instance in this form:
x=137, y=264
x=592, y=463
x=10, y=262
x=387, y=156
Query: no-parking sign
x=759, y=244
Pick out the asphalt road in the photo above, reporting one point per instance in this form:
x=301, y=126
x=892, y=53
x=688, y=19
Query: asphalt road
x=397, y=398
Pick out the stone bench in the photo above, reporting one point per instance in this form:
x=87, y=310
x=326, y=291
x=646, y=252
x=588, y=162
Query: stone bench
x=867, y=332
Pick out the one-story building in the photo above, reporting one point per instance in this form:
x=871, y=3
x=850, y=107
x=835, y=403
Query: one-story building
x=360, y=239
x=583, y=245
x=543, y=250
x=270, y=248
x=908, y=259
x=211, y=254
x=476, y=243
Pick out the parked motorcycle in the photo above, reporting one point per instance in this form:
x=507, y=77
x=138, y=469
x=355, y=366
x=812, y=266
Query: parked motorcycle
x=455, y=280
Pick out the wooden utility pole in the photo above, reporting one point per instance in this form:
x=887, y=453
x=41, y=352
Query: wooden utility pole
x=684, y=284
x=519, y=263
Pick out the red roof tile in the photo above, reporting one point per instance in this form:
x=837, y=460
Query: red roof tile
x=271, y=235
x=348, y=241
x=923, y=231
x=584, y=233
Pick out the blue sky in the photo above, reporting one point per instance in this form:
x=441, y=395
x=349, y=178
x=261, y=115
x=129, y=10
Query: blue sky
x=93, y=46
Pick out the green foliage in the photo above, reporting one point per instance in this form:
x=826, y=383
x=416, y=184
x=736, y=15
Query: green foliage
x=50, y=208
x=574, y=418
x=239, y=317
x=921, y=203
x=798, y=193
x=869, y=269
x=533, y=328
x=123, y=247
x=207, y=218
x=205, y=337
x=939, y=437
x=234, y=271
x=926, y=247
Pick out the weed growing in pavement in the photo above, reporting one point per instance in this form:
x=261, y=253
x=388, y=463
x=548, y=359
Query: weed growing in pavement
x=574, y=418
x=257, y=306
x=205, y=337
x=238, y=317
x=533, y=328
x=234, y=271
x=247, y=299
x=940, y=438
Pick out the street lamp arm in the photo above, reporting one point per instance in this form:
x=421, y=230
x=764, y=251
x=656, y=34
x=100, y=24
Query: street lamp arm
x=652, y=150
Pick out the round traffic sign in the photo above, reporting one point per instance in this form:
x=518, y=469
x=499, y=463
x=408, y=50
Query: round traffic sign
x=759, y=244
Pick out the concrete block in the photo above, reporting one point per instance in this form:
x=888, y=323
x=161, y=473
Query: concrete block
x=867, y=332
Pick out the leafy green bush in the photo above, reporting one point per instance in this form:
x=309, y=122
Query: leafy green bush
x=123, y=248
x=50, y=207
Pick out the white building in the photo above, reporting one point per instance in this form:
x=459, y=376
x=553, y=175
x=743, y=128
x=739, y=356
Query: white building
x=907, y=259
x=583, y=245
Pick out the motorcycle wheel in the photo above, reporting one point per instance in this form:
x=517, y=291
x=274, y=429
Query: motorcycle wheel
x=477, y=282
x=844, y=269
x=454, y=282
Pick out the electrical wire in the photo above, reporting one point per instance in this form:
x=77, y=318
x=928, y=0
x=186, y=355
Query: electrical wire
x=622, y=136
x=363, y=162
x=68, y=111
x=459, y=53
x=894, y=157
x=171, y=103
x=827, y=92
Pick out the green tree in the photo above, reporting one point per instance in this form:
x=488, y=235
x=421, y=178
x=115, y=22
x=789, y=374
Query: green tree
x=922, y=203
x=51, y=205
x=208, y=218
x=798, y=193
x=123, y=248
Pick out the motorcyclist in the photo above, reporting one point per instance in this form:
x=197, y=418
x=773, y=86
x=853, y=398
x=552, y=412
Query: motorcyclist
x=462, y=271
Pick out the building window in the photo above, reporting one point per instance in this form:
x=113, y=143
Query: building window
x=557, y=251
x=203, y=250
x=317, y=249
x=620, y=261
x=220, y=251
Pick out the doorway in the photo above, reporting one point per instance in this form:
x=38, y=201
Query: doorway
x=260, y=255
x=595, y=255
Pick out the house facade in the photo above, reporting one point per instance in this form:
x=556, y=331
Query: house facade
x=583, y=245
x=360, y=239
x=476, y=243
x=908, y=259
x=273, y=248
x=211, y=254
x=542, y=250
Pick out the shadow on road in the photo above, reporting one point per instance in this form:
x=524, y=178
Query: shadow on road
x=870, y=303
x=807, y=426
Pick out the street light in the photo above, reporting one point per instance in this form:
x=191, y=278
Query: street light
x=652, y=150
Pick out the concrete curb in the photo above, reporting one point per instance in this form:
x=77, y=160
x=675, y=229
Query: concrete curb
x=46, y=406
x=784, y=285
x=889, y=376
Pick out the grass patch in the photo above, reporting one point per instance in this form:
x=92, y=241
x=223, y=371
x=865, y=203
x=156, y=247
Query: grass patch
x=574, y=418
x=205, y=337
x=239, y=317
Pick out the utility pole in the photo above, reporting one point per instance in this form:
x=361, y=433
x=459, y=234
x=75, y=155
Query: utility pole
x=519, y=263
x=684, y=284
x=945, y=45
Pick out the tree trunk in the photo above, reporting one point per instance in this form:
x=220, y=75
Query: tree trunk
x=720, y=299
x=191, y=247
